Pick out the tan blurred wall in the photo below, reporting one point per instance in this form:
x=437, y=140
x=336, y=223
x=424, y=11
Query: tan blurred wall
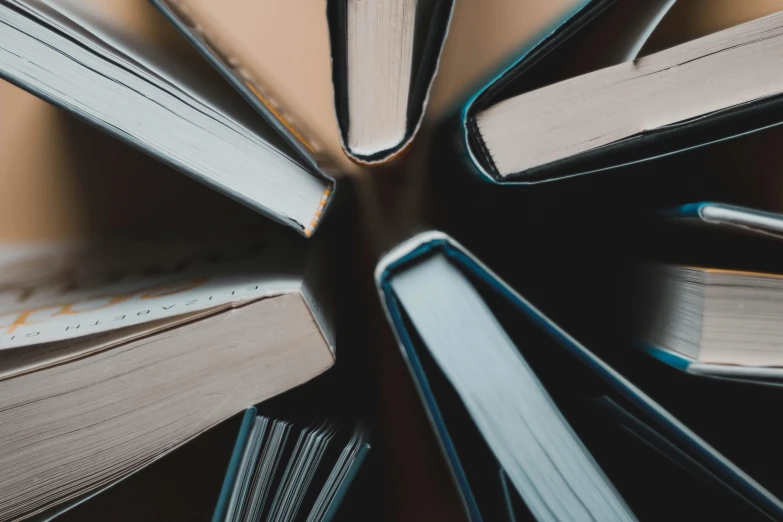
x=484, y=35
x=285, y=47
x=39, y=196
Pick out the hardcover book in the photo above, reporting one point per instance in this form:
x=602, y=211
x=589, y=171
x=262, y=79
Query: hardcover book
x=117, y=354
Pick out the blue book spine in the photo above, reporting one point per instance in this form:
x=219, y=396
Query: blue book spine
x=233, y=465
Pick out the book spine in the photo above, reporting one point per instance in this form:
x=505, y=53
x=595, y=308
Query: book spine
x=233, y=465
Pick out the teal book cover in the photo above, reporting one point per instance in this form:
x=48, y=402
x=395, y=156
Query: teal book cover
x=233, y=465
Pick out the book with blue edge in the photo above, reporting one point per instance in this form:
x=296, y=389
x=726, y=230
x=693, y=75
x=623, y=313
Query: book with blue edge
x=585, y=68
x=289, y=470
x=718, y=320
x=504, y=373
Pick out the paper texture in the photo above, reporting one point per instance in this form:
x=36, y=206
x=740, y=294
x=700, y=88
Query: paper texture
x=57, y=291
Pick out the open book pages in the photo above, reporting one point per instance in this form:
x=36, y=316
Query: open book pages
x=653, y=92
x=717, y=316
x=170, y=106
x=116, y=355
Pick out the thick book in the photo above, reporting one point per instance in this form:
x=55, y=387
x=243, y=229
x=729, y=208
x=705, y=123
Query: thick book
x=718, y=321
x=385, y=55
x=458, y=327
x=170, y=105
x=289, y=470
x=582, y=100
x=716, y=315
x=113, y=355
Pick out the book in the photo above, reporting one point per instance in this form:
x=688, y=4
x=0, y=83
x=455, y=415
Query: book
x=470, y=374
x=114, y=355
x=284, y=470
x=758, y=375
x=172, y=106
x=715, y=321
x=729, y=217
x=536, y=121
x=717, y=316
x=385, y=56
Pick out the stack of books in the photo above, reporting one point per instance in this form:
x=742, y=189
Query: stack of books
x=579, y=179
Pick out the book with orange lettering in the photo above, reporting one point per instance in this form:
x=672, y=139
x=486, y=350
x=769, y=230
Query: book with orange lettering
x=198, y=332
x=163, y=99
